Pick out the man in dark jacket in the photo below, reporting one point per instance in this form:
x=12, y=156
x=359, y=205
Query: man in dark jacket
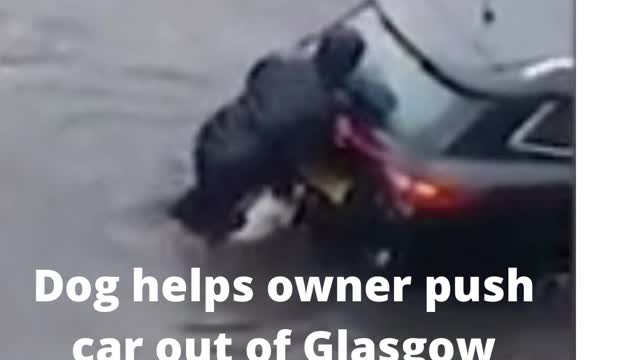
x=284, y=117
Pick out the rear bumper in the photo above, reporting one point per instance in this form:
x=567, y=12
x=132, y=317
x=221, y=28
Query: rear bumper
x=474, y=244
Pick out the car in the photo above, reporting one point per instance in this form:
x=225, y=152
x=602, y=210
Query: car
x=457, y=168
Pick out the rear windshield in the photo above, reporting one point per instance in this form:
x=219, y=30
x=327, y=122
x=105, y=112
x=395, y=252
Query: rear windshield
x=418, y=108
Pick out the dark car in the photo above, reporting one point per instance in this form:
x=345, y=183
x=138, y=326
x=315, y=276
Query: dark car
x=463, y=168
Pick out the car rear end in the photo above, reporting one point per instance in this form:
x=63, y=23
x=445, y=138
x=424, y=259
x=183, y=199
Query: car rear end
x=427, y=188
x=445, y=211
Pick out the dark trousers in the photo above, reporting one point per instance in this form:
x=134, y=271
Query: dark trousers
x=211, y=206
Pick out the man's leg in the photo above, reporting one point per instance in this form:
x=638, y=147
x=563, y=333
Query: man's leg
x=206, y=212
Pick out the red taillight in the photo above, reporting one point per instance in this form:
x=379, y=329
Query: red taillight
x=413, y=194
x=400, y=182
x=409, y=193
x=424, y=195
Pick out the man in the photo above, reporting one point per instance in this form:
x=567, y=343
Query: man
x=283, y=118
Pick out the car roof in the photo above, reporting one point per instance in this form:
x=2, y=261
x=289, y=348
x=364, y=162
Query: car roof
x=454, y=29
x=494, y=60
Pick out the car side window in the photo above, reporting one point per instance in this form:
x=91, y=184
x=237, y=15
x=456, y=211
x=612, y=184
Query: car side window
x=530, y=128
x=548, y=132
x=487, y=136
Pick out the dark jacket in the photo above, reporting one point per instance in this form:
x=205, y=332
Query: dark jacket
x=283, y=117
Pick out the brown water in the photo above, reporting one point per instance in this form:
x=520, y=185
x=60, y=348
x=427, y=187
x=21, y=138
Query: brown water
x=99, y=101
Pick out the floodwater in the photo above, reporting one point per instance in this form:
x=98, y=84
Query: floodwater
x=99, y=101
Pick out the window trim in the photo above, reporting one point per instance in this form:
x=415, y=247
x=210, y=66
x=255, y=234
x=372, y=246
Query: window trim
x=518, y=140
